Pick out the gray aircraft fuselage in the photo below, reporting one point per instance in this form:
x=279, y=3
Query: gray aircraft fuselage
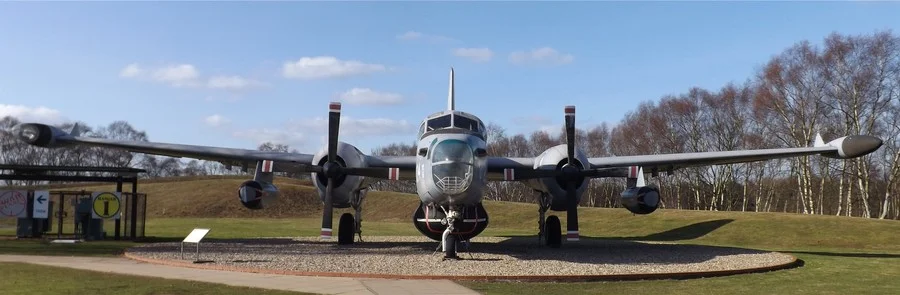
x=449, y=170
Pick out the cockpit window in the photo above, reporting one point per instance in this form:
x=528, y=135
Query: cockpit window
x=452, y=150
x=465, y=123
x=439, y=122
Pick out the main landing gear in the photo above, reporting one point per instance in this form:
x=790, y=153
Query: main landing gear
x=351, y=224
x=549, y=230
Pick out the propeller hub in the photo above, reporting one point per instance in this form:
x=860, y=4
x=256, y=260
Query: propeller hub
x=331, y=169
x=570, y=171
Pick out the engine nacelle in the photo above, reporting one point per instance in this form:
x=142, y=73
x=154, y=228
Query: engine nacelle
x=347, y=156
x=553, y=159
x=41, y=135
x=257, y=195
x=640, y=200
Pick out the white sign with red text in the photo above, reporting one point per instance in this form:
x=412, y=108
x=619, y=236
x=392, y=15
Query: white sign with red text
x=13, y=204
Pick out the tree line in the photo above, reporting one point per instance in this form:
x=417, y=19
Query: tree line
x=848, y=85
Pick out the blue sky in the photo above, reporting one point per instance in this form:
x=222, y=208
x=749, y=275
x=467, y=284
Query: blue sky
x=233, y=74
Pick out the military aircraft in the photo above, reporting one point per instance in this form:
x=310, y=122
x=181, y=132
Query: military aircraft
x=451, y=168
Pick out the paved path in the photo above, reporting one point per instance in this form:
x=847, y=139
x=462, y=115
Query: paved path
x=322, y=285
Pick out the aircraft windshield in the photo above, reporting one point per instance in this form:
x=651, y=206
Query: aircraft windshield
x=439, y=123
x=453, y=164
x=452, y=150
x=465, y=123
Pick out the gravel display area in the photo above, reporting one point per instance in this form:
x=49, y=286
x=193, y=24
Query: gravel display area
x=486, y=256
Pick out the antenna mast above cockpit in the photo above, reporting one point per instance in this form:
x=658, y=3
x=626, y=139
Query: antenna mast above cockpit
x=451, y=104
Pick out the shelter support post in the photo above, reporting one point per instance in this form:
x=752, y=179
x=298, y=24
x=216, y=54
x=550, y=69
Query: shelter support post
x=133, y=204
x=118, y=221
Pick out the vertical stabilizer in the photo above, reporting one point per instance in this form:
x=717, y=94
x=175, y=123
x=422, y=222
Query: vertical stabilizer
x=640, y=178
x=635, y=177
x=451, y=104
x=818, y=141
x=76, y=130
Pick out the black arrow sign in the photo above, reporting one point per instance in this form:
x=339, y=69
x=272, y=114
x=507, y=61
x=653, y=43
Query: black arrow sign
x=41, y=199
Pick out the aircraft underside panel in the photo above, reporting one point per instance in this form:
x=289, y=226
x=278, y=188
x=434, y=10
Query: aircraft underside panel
x=428, y=220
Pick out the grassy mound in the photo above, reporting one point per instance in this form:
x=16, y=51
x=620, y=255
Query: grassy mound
x=215, y=198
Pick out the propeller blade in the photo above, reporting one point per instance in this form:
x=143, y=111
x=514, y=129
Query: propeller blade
x=571, y=212
x=570, y=133
x=334, y=123
x=327, y=211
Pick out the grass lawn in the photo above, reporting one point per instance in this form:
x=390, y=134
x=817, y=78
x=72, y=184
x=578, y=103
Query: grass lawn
x=838, y=265
x=822, y=274
x=29, y=279
x=842, y=255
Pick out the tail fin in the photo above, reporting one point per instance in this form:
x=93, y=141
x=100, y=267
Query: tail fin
x=635, y=177
x=818, y=141
x=76, y=130
x=451, y=103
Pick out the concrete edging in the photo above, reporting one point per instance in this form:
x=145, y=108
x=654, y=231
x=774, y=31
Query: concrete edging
x=524, y=278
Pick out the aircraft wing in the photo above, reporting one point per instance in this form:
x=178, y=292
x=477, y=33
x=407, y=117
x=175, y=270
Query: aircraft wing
x=842, y=148
x=386, y=167
x=49, y=136
x=511, y=169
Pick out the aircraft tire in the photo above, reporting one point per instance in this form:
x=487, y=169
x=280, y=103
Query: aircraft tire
x=346, y=229
x=554, y=236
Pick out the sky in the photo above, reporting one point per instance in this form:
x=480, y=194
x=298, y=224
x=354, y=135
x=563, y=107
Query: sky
x=236, y=74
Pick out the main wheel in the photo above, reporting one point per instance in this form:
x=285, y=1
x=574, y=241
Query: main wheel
x=553, y=234
x=346, y=229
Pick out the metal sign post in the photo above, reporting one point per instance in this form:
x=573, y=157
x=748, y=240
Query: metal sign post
x=195, y=237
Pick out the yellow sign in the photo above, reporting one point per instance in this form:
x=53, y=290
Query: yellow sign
x=106, y=205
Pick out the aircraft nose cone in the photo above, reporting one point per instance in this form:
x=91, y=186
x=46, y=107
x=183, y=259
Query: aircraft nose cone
x=860, y=145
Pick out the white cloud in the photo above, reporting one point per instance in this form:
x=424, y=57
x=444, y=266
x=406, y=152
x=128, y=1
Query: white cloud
x=177, y=75
x=413, y=35
x=474, y=54
x=366, y=96
x=186, y=75
x=232, y=83
x=409, y=35
x=216, y=120
x=356, y=127
x=32, y=114
x=131, y=71
x=293, y=138
x=301, y=134
x=544, y=55
x=324, y=67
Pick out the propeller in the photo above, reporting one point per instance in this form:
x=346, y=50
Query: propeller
x=571, y=173
x=333, y=170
